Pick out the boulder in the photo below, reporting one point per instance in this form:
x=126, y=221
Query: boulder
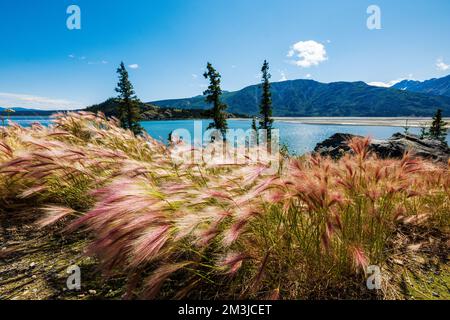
x=394, y=147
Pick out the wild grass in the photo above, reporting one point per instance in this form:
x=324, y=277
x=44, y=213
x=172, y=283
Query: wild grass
x=179, y=229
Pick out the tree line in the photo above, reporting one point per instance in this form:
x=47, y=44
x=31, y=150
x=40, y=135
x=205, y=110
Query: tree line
x=128, y=102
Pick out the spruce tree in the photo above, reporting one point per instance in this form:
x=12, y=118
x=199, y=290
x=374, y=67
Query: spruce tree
x=423, y=132
x=265, y=109
x=129, y=113
x=213, y=94
x=438, y=128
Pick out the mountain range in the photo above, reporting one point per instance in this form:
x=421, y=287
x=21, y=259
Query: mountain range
x=304, y=98
x=26, y=112
x=440, y=86
x=17, y=109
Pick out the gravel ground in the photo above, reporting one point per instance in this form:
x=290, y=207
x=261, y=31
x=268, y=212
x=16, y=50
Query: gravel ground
x=34, y=263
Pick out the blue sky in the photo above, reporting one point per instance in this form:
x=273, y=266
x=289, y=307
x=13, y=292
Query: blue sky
x=44, y=64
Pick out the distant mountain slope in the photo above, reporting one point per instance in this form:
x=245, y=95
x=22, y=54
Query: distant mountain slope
x=2, y=109
x=311, y=98
x=27, y=112
x=17, y=109
x=440, y=86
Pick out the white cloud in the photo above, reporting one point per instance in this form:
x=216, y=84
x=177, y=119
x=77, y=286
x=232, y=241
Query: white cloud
x=308, y=76
x=307, y=53
x=194, y=76
x=97, y=62
x=441, y=65
x=12, y=100
x=283, y=76
x=134, y=66
x=380, y=84
x=389, y=84
x=83, y=58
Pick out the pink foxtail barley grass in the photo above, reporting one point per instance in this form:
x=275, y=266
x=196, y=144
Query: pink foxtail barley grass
x=218, y=231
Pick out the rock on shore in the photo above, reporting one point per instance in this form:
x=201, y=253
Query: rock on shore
x=394, y=147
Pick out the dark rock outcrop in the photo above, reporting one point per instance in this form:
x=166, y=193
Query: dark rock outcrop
x=335, y=146
x=395, y=147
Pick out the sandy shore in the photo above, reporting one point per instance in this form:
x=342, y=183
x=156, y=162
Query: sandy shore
x=354, y=121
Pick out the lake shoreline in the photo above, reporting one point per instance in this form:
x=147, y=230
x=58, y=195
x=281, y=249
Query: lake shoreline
x=356, y=121
x=400, y=122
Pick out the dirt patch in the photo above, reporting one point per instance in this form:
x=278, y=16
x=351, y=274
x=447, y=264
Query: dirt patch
x=418, y=268
x=34, y=263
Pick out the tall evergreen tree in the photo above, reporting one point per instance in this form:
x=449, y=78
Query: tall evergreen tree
x=423, y=132
x=129, y=113
x=265, y=109
x=213, y=94
x=438, y=128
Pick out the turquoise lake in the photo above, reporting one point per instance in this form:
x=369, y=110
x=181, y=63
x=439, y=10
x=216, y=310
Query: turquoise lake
x=300, y=138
